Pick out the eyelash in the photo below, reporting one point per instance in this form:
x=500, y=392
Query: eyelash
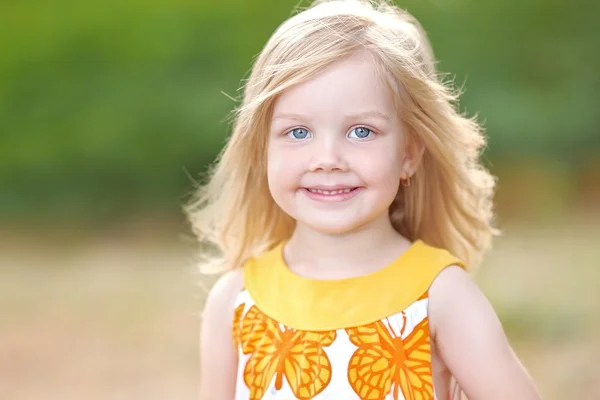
x=289, y=133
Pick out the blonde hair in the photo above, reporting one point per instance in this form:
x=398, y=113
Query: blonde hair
x=449, y=201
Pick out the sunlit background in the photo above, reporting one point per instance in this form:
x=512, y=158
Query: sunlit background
x=110, y=110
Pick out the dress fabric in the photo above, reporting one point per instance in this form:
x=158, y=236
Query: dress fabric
x=365, y=337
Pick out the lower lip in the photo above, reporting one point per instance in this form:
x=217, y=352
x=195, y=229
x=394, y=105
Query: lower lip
x=343, y=196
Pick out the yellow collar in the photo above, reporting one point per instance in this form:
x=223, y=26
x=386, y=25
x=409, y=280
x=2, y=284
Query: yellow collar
x=322, y=305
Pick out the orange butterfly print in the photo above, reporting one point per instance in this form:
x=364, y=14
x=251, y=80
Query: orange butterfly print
x=275, y=352
x=384, y=362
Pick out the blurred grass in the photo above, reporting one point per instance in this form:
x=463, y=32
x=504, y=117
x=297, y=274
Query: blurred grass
x=94, y=317
x=116, y=316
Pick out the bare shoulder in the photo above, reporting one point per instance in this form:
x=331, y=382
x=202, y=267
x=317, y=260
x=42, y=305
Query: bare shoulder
x=218, y=357
x=452, y=287
x=217, y=316
x=457, y=305
x=470, y=339
x=224, y=291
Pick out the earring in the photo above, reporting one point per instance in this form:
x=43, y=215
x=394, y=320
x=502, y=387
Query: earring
x=405, y=182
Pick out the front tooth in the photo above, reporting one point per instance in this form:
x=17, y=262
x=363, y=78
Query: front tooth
x=330, y=192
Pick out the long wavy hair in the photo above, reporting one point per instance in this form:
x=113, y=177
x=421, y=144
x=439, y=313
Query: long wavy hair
x=449, y=201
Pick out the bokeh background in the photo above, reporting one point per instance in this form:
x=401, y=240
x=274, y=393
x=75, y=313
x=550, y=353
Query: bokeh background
x=110, y=111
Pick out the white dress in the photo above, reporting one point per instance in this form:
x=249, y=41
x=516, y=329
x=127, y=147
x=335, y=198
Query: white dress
x=359, y=338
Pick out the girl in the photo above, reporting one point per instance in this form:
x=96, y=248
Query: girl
x=348, y=206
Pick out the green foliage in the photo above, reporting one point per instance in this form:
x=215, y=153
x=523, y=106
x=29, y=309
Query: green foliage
x=104, y=106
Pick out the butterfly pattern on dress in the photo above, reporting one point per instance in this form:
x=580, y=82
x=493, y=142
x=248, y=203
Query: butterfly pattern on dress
x=281, y=352
x=385, y=363
x=386, y=359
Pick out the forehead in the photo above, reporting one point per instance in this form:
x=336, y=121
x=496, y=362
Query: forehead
x=350, y=85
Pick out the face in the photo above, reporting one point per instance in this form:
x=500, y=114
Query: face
x=336, y=149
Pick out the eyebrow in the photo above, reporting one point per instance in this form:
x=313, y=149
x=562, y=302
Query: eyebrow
x=362, y=114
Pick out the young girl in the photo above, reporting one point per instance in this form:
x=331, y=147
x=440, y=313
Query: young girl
x=348, y=206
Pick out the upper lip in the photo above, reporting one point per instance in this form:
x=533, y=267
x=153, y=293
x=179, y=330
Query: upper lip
x=330, y=188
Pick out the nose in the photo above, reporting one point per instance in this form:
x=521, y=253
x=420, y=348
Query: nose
x=328, y=155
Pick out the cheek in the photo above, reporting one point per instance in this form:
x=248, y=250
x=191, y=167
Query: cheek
x=273, y=167
x=282, y=169
x=382, y=175
x=382, y=168
x=385, y=180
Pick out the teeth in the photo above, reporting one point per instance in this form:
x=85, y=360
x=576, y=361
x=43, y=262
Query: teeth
x=330, y=192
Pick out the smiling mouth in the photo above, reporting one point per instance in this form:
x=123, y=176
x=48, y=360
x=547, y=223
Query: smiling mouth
x=331, y=192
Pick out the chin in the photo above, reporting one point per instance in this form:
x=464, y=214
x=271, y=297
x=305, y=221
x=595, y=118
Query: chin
x=332, y=227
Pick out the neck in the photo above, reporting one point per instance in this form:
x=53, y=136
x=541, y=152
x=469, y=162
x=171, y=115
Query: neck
x=362, y=246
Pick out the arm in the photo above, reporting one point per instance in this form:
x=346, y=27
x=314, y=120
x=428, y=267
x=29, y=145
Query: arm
x=469, y=337
x=218, y=358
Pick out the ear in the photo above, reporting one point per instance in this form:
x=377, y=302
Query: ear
x=413, y=154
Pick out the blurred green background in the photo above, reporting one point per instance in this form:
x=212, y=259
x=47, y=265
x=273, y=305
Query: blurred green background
x=109, y=111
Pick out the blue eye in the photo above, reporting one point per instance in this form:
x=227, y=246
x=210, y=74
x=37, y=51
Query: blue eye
x=360, y=133
x=298, y=133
